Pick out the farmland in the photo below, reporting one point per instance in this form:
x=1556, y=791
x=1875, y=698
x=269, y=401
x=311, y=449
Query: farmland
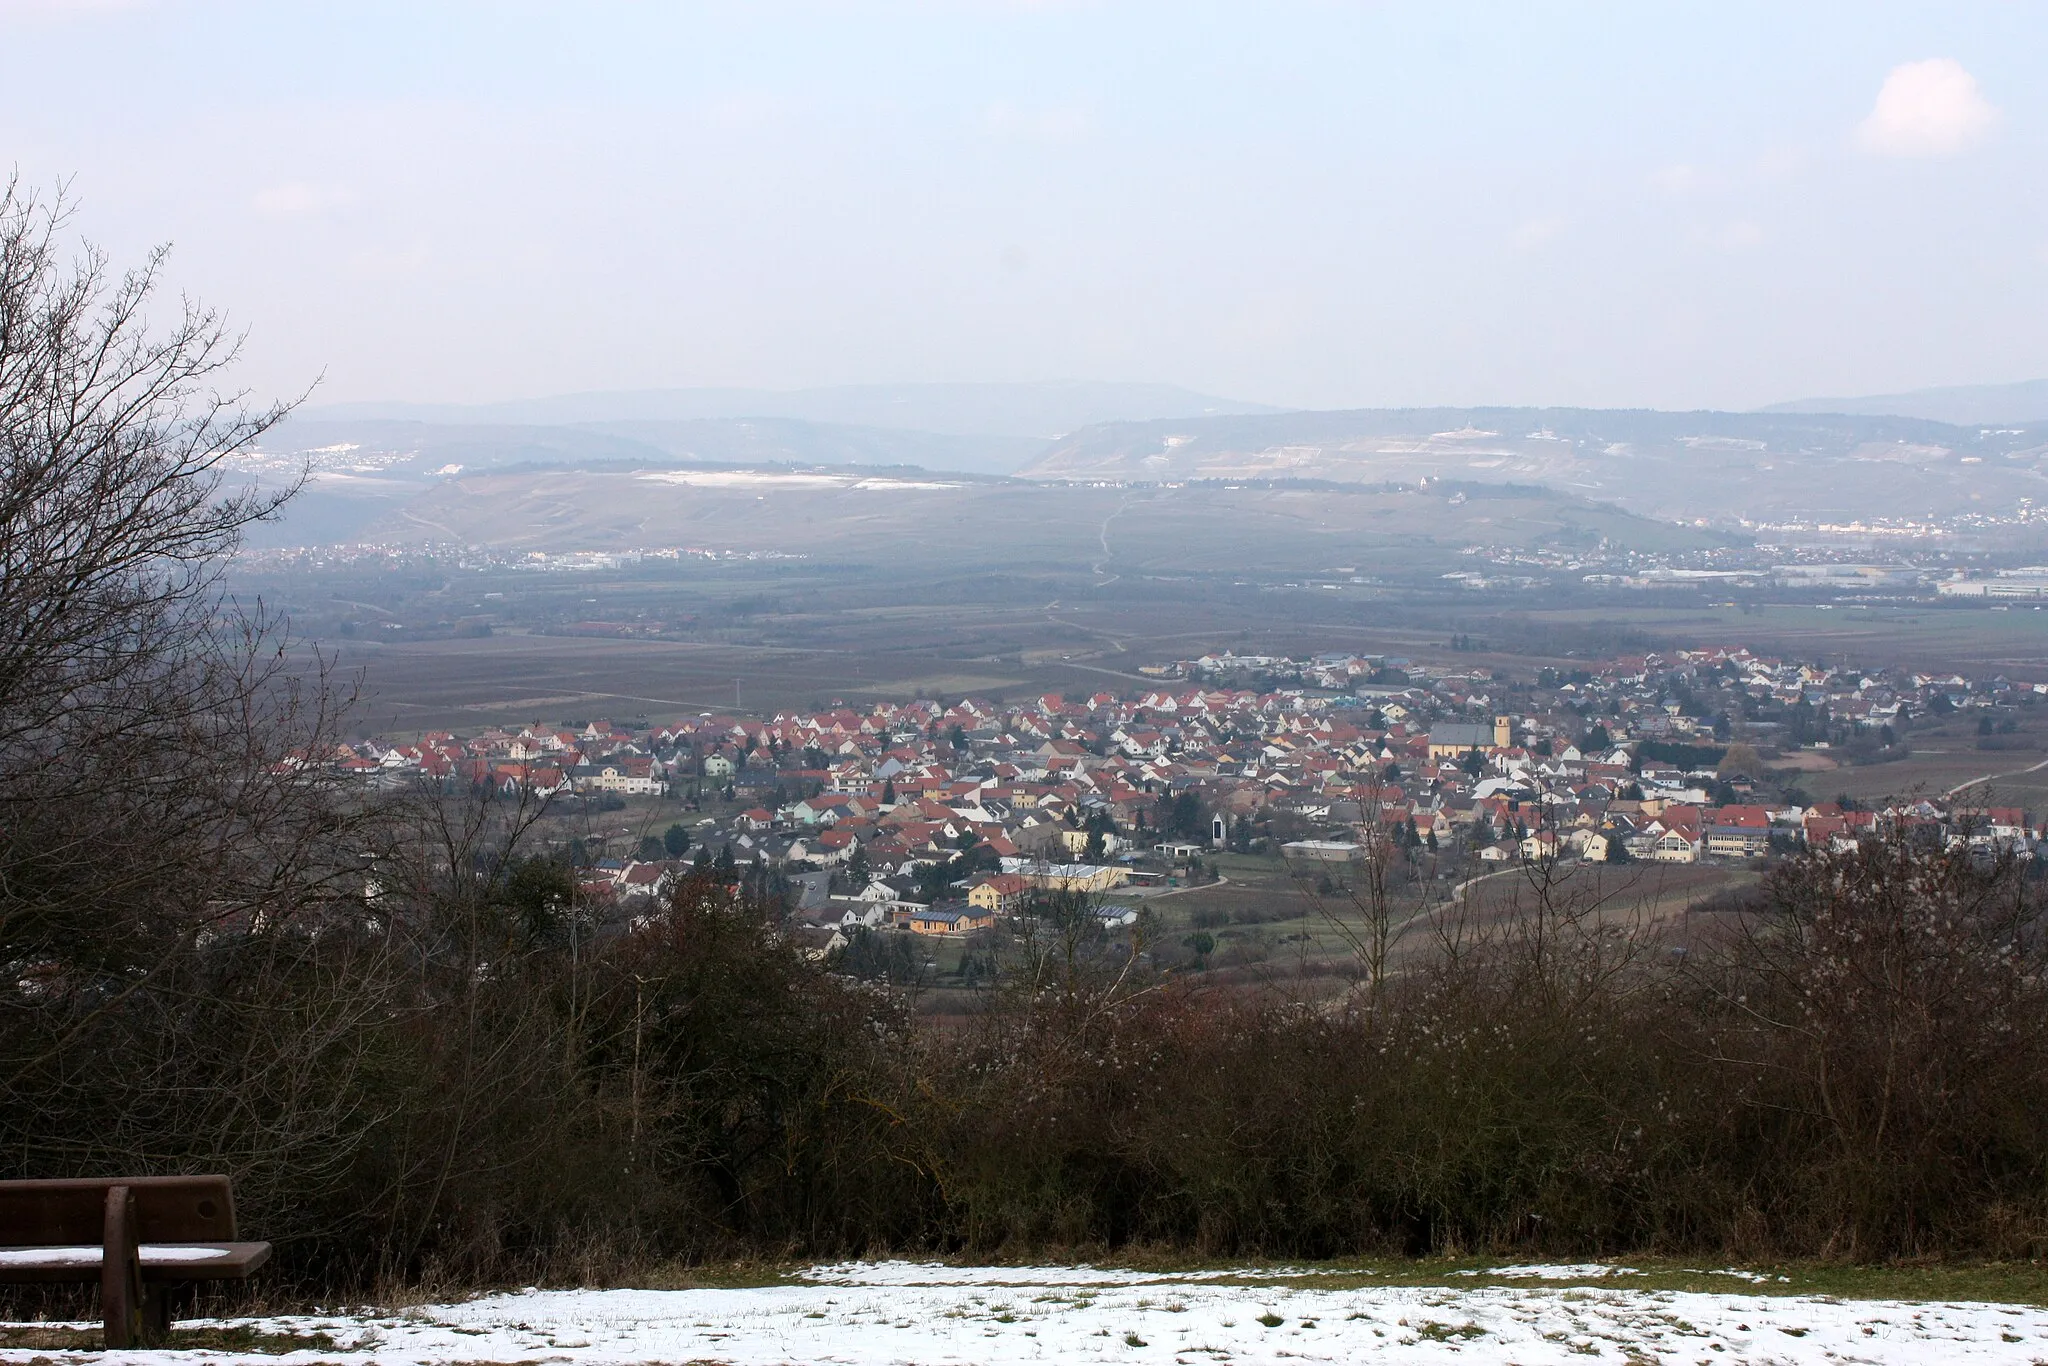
x=803, y=585
x=795, y=640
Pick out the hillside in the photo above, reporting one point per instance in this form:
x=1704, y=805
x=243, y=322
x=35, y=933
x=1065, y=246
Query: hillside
x=980, y=428
x=1965, y=404
x=1677, y=466
x=909, y=518
x=1728, y=469
x=403, y=446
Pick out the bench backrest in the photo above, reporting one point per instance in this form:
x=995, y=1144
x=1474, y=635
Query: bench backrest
x=168, y=1209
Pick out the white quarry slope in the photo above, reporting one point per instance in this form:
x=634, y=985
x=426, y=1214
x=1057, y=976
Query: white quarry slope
x=903, y=1313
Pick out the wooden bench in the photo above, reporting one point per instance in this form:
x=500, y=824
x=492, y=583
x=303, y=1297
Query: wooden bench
x=136, y=1235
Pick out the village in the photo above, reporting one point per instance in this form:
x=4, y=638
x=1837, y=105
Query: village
x=941, y=817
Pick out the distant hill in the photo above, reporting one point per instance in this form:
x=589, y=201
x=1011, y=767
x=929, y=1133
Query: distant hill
x=365, y=467
x=1721, y=466
x=416, y=447
x=921, y=523
x=1964, y=404
x=1035, y=411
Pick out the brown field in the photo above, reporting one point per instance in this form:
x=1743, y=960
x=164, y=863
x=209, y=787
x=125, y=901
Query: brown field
x=892, y=653
x=1637, y=891
x=1280, y=922
x=1064, y=590
x=1807, y=761
x=1912, y=635
x=1084, y=641
x=1945, y=756
x=2001, y=778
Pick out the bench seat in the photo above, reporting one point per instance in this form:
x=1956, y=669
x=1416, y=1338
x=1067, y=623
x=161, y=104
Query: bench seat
x=222, y=1261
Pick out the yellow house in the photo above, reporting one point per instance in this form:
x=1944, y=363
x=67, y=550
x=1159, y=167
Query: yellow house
x=999, y=893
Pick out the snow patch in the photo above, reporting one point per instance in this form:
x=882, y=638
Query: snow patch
x=882, y=1314
x=90, y=1256
x=938, y=1273
x=777, y=479
x=1577, y=1271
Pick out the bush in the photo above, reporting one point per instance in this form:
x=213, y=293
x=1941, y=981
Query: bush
x=1845, y=1066
x=476, y=1082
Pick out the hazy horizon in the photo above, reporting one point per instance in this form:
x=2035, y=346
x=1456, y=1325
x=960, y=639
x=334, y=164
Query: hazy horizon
x=1962, y=405
x=1305, y=206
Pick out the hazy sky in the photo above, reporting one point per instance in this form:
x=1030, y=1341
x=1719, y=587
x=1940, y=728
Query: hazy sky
x=1330, y=204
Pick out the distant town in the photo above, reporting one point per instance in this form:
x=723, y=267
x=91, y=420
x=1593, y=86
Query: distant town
x=940, y=817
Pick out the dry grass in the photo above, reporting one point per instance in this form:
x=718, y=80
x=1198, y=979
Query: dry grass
x=65, y=1337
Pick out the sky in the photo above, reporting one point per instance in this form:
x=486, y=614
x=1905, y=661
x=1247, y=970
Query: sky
x=1317, y=204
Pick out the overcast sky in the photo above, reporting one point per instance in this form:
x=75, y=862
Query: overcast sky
x=1305, y=203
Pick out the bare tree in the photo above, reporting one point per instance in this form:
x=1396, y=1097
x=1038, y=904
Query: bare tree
x=1886, y=1002
x=113, y=526
x=1382, y=902
x=161, y=748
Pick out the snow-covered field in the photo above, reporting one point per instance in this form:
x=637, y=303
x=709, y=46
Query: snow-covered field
x=786, y=480
x=894, y=1312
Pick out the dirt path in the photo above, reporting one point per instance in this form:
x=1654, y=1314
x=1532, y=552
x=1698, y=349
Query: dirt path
x=1102, y=535
x=1994, y=777
x=1098, y=669
x=1222, y=880
x=418, y=520
x=1458, y=892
